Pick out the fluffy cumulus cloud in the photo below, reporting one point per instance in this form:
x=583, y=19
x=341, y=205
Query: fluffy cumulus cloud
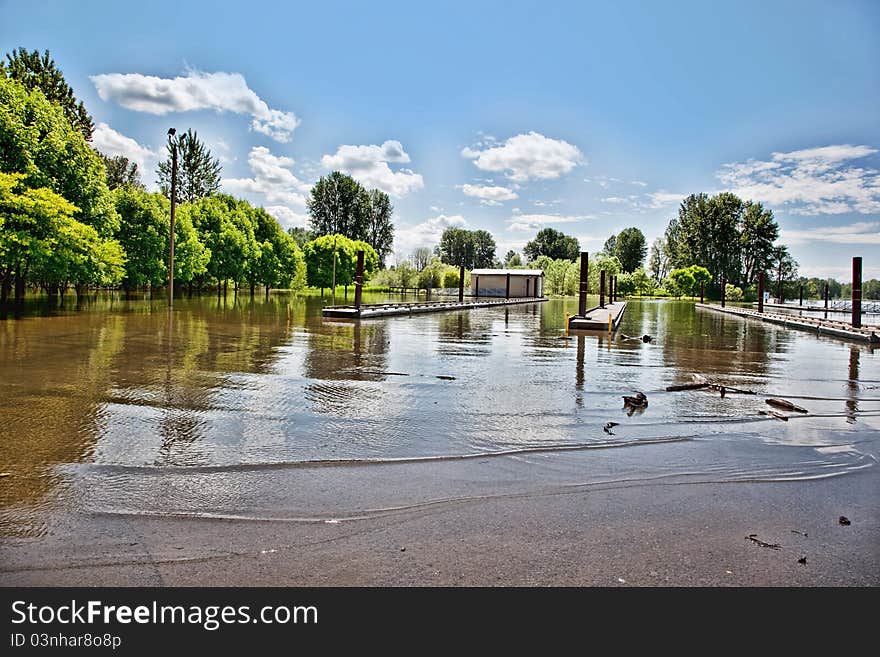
x=274, y=182
x=220, y=92
x=812, y=181
x=489, y=194
x=862, y=232
x=532, y=222
x=109, y=142
x=526, y=157
x=369, y=164
x=427, y=233
x=645, y=202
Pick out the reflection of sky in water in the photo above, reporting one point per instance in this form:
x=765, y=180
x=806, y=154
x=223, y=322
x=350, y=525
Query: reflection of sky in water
x=240, y=386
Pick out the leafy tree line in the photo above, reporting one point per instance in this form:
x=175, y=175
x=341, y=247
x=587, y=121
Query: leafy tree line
x=62, y=226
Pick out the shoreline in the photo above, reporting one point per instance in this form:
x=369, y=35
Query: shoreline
x=652, y=534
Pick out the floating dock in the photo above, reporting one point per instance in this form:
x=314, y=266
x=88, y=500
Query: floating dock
x=814, y=325
x=368, y=311
x=599, y=318
x=846, y=307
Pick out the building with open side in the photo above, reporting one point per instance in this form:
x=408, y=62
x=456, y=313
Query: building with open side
x=507, y=283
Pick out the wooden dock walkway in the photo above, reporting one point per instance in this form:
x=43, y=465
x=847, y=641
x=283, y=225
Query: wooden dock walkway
x=819, y=326
x=368, y=311
x=598, y=318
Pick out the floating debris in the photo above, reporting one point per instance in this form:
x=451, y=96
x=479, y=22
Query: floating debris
x=785, y=405
x=687, y=386
x=5, y=474
x=608, y=426
x=754, y=538
x=640, y=400
x=795, y=531
x=843, y=520
x=446, y=377
x=803, y=560
x=778, y=416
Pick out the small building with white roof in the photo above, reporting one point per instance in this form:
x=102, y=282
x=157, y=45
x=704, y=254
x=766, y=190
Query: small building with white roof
x=507, y=283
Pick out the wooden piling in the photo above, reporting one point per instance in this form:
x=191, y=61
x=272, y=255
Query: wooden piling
x=723, y=292
x=359, y=279
x=761, y=292
x=702, y=290
x=602, y=289
x=857, y=292
x=461, y=283
x=582, y=290
x=801, y=295
x=507, y=287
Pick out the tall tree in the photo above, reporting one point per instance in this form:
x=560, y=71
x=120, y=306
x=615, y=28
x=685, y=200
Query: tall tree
x=457, y=247
x=379, y=231
x=484, y=248
x=630, y=249
x=300, y=235
x=786, y=270
x=198, y=172
x=121, y=171
x=659, y=261
x=610, y=246
x=421, y=258
x=34, y=71
x=553, y=244
x=338, y=204
x=758, y=232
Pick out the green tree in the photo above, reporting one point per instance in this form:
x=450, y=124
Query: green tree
x=630, y=249
x=379, y=231
x=484, y=249
x=601, y=262
x=143, y=231
x=758, y=232
x=700, y=275
x=553, y=244
x=338, y=204
x=37, y=140
x=121, y=171
x=732, y=292
x=786, y=270
x=300, y=235
x=457, y=248
x=642, y=283
x=198, y=172
x=320, y=254
x=680, y=282
x=34, y=71
x=610, y=246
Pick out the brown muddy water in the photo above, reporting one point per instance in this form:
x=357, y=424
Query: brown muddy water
x=230, y=409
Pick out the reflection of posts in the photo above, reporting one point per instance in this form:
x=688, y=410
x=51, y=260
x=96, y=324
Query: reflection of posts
x=857, y=292
x=852, y=405
x=359, y=280
x=602, y=289
x=579, y=368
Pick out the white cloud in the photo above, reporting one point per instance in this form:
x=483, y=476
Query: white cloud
x=530, y=222
x=644, y=202
x=488, y=194
x=109, y=142
x=525, y=157
x=638, y=183
x=221, y=92
x=810, y=181
x=863, y=232
x=287, y=217
x=369, y=165
x=427, y=233
x=275, y=183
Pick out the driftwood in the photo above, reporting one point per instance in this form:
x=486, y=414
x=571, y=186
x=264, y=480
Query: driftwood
x=778, y=416
x=785, y=405
x=687, y=386
x=754, y=538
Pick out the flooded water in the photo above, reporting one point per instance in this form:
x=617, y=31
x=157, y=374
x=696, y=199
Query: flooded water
x=233, y=408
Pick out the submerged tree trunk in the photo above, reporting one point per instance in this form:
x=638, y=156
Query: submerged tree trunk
x=5, y=289
x=267, y=292
x=19, y=284
x=253, y=289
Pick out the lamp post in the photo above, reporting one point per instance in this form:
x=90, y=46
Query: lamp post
x=173, y=144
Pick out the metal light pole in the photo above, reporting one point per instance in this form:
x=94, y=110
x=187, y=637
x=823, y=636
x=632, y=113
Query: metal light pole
x=173, y=144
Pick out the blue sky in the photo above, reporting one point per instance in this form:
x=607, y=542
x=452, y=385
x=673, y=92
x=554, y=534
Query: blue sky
x=509, y=116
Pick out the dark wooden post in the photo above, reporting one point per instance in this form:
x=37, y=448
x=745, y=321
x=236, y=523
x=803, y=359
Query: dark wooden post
x=602, y=289
x=359, y=280
x=826, y=300
x=582, y=290
x=857, y=292
x=761, y=292
x=801, y=295
x=461, y=283
x=613, y=288
x=476, y=282
x=507, y=287
x=723, y=291
x=702, y=290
